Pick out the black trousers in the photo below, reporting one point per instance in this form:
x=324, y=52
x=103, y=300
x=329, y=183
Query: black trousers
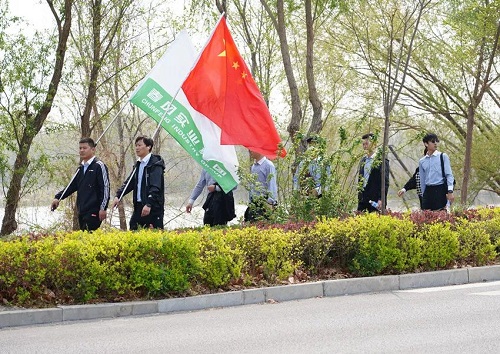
x=219, y=208
x=152, y=221
x=89, y=221
x=364, y=206
x=257, y=210
x=435, y=197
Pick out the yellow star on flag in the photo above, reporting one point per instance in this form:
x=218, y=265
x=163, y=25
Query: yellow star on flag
x=223, y=53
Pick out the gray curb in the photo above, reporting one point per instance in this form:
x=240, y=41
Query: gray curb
x=251, y=296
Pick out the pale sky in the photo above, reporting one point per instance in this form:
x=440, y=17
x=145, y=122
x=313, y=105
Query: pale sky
x=36, y=12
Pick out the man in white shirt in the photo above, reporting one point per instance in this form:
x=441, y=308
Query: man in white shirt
x=436, y=176
x=264, y=192
x=148, y=185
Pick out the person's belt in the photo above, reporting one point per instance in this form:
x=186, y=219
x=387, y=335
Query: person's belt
x=435, y=185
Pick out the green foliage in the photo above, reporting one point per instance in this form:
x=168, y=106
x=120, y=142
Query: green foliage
x=329, y=242
x=83, y=267
x=441, y=245
x=268, y=254
x=332, y=167
x=475, y=243
x=492, y=228
x=384, y=245
x=221, y=261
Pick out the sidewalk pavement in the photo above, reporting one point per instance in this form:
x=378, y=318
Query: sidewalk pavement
x=340, y=287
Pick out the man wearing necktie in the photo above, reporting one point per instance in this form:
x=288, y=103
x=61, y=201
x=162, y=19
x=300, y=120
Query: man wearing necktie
x=91, y=183
x=148, y=186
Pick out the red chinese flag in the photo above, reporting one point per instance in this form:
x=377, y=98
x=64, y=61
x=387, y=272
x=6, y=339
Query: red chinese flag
x=221, y=87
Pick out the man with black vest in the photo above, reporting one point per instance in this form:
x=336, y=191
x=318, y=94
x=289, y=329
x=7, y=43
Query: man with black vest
x=91, y=182
x=148, y=186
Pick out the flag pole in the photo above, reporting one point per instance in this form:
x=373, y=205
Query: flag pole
x=154, y=135
x=133, y=171
x=192, y=67
x=109, y=125
x=165, y=113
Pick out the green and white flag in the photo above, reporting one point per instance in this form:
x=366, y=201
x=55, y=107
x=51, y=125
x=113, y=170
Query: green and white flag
x=160, y=96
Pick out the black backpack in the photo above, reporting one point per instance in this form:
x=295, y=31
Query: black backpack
x=442, y=170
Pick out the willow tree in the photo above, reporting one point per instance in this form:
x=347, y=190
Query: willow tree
x=454, y=79
x=385, y=33
x=313, y=16
x=29, y=84
x=482, y=31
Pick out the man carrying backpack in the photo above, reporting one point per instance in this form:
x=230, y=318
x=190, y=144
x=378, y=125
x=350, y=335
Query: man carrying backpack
x=436, y=177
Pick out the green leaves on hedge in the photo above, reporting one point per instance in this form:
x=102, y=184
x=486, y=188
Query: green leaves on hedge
x=113, y=266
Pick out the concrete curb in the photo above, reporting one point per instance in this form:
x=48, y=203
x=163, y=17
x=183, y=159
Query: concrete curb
x=326, y=288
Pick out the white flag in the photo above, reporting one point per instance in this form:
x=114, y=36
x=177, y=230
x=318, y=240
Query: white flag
x=160, y=96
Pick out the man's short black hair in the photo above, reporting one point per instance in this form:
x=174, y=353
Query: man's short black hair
x=368, y=136
x=147, y=141
x=430, y=137
x=87, y=140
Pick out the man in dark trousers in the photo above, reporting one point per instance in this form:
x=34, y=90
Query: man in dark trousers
x=370, y=176
x=148, y=186
x=436, y=176
x=91, y=183
x=219, y=206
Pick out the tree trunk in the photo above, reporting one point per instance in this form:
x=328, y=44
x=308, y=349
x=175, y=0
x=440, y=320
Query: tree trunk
x=316, y=123
x=9, y=223
x=95, y=67
x=480, y=88
x=279, y=24
x=21, y=164
x=468, y=153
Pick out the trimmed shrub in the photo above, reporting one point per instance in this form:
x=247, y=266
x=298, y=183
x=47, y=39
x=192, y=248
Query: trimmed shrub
x=267, y=252
x=475, y=247
x=384, y=245
x=441, y=245
x=329, y=242
x=80, y=267
x=221, y=260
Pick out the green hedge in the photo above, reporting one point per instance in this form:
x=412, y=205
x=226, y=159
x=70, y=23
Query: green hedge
x=116, y=266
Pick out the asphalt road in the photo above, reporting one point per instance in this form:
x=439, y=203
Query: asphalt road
x=454, y=319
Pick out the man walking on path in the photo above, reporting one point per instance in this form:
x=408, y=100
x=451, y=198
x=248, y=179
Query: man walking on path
x=91, y=183
x=148, y=186
x=370, y=176
x=436, y=176
x=219, y=206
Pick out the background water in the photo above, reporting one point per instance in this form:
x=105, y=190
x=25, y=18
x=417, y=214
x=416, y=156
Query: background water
x=40, y=218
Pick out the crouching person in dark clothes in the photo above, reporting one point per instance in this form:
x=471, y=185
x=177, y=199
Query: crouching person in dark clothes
x=148, y=185
x=91, y=183
x=219, y=206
